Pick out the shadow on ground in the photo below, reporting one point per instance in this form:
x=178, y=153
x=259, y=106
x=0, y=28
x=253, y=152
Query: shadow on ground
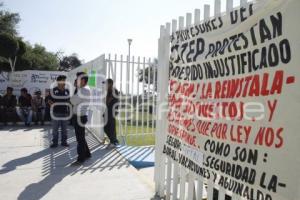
x=56, y=164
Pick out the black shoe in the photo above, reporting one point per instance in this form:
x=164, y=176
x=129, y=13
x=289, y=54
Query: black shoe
x=64, y=144
x=36, y=123
x=89, y=156
x=77, y=163
x=53, y=145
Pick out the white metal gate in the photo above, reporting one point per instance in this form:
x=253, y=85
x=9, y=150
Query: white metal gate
x=135, y=79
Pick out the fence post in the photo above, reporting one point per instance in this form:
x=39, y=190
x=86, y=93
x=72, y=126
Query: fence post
x=217, y=8
x=197, y=16
x=158, y=148
x=229, y=6
x=243, y=3
x=206, y=12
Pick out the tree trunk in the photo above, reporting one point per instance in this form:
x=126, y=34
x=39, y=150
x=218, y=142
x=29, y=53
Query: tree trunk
x=12, y=63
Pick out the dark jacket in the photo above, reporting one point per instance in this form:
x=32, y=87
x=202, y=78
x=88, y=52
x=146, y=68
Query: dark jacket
x=9, y=102
x=25, y=101
x=47, y=98
x=60, y=96
x=112, y=101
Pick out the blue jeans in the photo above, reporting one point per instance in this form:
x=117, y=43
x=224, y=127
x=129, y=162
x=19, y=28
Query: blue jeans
x=25, y=114
x=39, y=115
x=62, y=124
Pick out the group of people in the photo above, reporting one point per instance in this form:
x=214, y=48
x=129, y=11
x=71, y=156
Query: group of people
x=65, y=106
x=26, y=108
x=62, y=108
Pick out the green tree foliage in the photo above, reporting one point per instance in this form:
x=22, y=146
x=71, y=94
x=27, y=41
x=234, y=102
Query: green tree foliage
x=38, y=58
x=68, y=63
x=8, y=45
x=8, y=21
x=15, y=54
x=9, y=48
x=4, y=65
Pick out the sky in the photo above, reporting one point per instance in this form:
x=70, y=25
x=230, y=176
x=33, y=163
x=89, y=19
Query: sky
x=94, y=27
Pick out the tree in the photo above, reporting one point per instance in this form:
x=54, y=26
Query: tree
x=38, y=58
x=4, y=65
x=22, y=47
x=149, y=72
x=15, y=54
x=68, y=63
x=9, y=47
x=8, y=21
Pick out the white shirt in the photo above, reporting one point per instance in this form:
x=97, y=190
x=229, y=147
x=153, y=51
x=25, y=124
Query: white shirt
x=81, y=101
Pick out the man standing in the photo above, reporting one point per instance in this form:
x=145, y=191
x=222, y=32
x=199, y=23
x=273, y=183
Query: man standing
x=80, y=102
x=60, y=106
x=9, y=103
x=24, y=110
x=112, y=101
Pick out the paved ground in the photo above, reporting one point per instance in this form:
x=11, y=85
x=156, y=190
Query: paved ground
x=29, y=170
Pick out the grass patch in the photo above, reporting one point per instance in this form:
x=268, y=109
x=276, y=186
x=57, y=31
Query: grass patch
x=136, y=135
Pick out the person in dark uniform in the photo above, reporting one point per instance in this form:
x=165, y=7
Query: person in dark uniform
x=9, y=103
x=112, y=102
x=60, y=103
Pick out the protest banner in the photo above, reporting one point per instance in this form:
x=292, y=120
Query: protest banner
x=234, y=102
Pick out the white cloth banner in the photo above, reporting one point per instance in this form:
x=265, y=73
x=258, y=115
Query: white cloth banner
x=3, y=82
x=235, y=100
x=33, y=80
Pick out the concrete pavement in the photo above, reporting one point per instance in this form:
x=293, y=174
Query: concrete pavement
x=29, y=170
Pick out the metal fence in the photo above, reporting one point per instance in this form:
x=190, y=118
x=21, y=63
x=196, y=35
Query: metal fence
x=136, y=80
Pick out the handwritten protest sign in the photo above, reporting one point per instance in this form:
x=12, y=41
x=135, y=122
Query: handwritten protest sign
x=234, y=103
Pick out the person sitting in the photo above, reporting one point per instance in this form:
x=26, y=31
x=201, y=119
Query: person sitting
x=24, y=110
x=9, y=103
x=38, y=107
